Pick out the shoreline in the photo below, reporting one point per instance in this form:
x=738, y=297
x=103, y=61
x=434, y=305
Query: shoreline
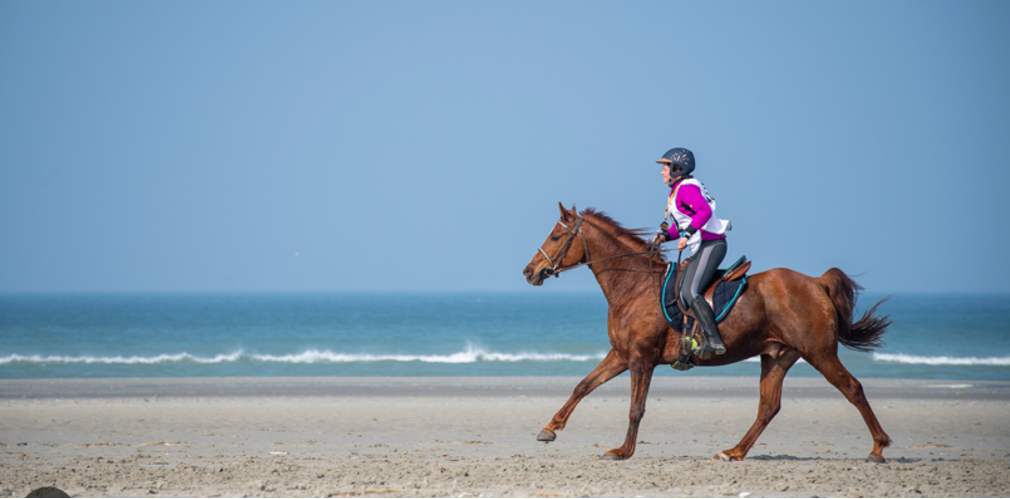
x=470, y=436
x=503, y=386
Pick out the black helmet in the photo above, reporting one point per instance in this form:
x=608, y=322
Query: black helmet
x=678, y=156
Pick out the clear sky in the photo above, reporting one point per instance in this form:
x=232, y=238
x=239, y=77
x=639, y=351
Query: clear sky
x=276, y=146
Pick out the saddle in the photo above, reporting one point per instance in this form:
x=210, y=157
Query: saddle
x=736, y=271
x=721, y=293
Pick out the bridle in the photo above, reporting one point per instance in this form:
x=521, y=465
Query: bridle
x=556, y=269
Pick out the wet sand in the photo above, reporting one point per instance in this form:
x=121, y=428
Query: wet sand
x=466, y=437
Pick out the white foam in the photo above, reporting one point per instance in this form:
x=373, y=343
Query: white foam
x=312, y=356
x=901, y=358
x=87, y=359
x=468, y=356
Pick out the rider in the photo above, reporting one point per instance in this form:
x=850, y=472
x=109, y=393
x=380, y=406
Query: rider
x=695, y=225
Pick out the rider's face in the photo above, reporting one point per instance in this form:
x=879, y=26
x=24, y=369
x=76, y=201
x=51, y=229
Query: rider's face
x=667, y=175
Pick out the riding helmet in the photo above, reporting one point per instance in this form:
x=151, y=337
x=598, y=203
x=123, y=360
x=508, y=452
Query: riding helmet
x=678, y=156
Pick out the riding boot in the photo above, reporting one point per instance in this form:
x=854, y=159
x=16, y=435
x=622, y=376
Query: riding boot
x=713, y=342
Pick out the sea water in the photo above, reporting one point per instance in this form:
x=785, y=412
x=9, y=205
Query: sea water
x=963, y=336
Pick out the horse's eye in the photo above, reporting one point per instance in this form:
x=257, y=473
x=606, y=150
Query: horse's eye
x=555, y=238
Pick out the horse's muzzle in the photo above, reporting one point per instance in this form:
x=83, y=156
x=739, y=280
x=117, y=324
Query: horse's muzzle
x=537, y=278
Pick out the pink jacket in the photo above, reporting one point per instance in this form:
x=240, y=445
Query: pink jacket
x=690, y=201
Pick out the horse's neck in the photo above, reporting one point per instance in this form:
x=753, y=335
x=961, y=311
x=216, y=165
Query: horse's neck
x=617, y=277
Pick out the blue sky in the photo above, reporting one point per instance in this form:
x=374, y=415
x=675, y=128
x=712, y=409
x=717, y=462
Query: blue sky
x=282, y=146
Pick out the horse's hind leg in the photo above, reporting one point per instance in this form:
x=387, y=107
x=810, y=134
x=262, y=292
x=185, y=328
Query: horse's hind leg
x=845, y=382
x=611, y=366
x=773, y=370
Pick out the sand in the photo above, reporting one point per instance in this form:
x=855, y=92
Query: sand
x=470, y=437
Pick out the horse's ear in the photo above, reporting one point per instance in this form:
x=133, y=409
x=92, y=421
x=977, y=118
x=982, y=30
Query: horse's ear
x=565, y=214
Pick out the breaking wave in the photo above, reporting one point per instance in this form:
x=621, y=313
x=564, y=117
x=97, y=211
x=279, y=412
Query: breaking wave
x=312, y=356
x=87, y=359
x=900, y=358
x=469, y=355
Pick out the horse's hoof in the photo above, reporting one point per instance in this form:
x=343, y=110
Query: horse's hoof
x=722, y=456
x=875, y=459
x=611, y=457
x=546, y=436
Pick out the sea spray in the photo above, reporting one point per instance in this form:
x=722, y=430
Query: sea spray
x=941, y=360
x=470, y=354
x=135, y=359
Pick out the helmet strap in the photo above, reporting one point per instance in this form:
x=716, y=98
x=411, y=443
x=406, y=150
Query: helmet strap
x=674, y=177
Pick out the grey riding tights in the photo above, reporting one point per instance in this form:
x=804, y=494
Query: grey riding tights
x=701, y=269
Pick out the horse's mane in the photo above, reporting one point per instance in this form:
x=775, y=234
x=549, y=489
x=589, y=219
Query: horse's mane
x=634, y=238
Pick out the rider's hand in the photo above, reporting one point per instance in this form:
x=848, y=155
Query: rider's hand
x=660, y=238
x=681, y=244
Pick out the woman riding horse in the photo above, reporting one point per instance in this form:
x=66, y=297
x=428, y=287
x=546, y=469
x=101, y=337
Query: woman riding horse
x=696, y=226
x=782, y=317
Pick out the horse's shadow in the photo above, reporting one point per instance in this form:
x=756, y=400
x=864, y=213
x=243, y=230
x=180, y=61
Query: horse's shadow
x=787, y=457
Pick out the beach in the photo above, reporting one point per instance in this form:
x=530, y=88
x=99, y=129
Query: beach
x=473, y=436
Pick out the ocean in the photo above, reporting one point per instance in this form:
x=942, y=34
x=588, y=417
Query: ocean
x=550, y=333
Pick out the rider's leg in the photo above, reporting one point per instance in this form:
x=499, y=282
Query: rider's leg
x=713, y=342
x=685, y=283
x=710, y=255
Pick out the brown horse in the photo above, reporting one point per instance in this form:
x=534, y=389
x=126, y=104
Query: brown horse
x=783, y=316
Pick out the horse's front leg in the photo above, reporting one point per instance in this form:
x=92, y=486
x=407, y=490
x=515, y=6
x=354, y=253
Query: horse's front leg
x=641, y=378
x=611, y=366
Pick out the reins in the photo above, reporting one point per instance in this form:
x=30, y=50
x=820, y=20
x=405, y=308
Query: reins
x=609, y=258
x=556, y=267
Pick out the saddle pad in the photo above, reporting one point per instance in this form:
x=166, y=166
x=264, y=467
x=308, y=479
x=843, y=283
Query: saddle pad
x=725, y=296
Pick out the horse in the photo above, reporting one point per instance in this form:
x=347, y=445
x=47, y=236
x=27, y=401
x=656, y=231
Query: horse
x=783, y=316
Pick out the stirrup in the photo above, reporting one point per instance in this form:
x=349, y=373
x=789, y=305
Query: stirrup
x=687, y=346
x=704, y=351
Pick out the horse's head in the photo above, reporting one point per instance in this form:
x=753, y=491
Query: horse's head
x=564, y=247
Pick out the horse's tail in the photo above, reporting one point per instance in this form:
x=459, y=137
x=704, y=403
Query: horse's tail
x=865, y=334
